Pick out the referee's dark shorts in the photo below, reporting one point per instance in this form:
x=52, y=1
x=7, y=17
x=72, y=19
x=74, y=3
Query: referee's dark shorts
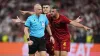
x=39, y=44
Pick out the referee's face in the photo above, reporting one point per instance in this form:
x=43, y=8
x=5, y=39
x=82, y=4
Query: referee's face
x=38, y=9
x=46, y=9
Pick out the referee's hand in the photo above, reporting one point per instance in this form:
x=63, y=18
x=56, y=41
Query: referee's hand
x=30, y=42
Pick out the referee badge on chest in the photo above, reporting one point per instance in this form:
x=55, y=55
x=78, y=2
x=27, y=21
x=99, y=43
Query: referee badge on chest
x=43, y=24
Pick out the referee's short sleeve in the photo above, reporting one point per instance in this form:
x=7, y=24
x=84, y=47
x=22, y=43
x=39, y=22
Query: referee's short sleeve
x=46, y=22
x=27, y=23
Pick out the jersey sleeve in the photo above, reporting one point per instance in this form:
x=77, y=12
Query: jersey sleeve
x=66, y=20
x=27, y=23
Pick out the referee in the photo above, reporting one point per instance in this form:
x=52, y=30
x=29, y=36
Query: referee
x=34, y=30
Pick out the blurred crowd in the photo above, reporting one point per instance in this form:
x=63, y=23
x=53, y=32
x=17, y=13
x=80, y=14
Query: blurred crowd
x=89, y=10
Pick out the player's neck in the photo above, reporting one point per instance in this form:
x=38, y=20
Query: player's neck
x=57, y=16
x=47, y=13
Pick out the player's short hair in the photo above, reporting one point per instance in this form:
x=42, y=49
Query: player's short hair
x=55, y=7
x=45, y=4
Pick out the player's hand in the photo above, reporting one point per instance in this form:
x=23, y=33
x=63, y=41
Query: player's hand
x=86, y=28
x=30, y=42
x=16, y=20
x=79, y=19
x=52, y=39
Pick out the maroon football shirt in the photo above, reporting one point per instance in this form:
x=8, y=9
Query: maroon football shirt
x=59, y=26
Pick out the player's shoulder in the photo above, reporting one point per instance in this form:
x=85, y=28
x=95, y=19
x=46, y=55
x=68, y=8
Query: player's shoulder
x=63, y=16
x=48, y=15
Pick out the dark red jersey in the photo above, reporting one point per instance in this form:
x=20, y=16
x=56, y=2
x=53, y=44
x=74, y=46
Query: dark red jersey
x=59, y=26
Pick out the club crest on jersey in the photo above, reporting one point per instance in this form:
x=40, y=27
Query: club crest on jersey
x=64, y=44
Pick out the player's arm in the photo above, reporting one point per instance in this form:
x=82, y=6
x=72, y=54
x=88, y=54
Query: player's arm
x=79, y=25
x=66, y=20
x=22, y=21
x=47, y=25
x=49, y=30
x=24, y=12
x=18, y=20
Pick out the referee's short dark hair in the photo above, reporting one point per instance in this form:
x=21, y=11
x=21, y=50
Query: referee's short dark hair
x=55, y=7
